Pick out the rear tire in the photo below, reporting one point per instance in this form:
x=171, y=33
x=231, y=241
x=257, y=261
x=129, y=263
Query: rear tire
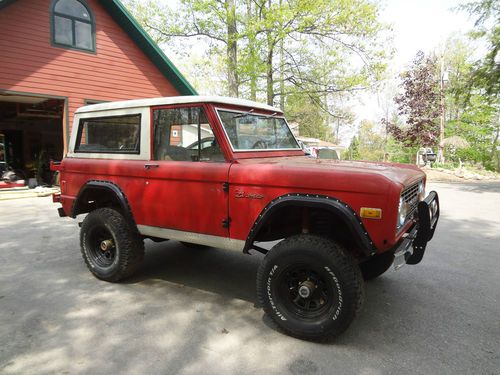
x=111, y=247
x=376, y=266
x=310, y=287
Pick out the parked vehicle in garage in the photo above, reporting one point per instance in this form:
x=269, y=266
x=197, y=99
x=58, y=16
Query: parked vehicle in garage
x=140, y=169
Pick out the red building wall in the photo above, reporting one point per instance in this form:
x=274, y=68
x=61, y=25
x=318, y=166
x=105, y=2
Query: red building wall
x=29, y=63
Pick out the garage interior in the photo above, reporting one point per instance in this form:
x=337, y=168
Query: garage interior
x=31, y=134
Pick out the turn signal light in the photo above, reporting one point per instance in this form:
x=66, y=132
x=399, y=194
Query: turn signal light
x=371, y=213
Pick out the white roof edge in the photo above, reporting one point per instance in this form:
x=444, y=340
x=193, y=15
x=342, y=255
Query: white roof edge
x=175, y=100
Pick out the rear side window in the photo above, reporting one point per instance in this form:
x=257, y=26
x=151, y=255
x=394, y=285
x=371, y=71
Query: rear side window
x=110, y=135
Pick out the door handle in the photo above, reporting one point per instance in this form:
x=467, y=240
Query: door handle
x=150, y=166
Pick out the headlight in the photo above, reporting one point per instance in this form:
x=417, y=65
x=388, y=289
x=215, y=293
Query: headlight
x=421, y=191
x=402, y=212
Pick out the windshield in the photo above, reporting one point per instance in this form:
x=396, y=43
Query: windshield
x=247, y=131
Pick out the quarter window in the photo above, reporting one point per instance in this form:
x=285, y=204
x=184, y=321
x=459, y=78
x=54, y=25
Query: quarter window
x=110, y=135
x=73, y=25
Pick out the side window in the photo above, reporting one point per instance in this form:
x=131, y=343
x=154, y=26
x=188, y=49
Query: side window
x=184, y=134
x=72, y=25
x=110, y=135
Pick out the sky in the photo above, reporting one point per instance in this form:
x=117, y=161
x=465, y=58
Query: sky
x=422, y=25
x=417, y=25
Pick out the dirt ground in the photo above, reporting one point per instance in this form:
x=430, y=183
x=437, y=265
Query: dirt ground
x=434, y=175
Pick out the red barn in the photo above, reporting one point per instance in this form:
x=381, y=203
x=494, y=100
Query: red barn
x=57, y=55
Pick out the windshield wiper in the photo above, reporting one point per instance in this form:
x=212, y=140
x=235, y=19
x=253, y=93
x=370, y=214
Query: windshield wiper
x=243, y=114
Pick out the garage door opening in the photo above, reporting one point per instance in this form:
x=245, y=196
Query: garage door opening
x=31, y=134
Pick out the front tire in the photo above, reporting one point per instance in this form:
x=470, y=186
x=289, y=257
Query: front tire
x=110, y=246
x=310, y=287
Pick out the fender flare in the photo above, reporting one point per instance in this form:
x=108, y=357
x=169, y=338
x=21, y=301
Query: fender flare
x=103, y=185
x=339, y=208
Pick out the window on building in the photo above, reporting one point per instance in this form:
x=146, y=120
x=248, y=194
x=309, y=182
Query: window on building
x=73, y=25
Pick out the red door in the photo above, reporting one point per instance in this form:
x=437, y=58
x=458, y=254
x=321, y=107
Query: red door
x=184, y=186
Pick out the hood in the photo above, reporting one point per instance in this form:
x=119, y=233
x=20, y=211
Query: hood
x=305, y=172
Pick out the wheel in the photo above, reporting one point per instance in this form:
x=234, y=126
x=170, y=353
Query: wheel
x=376, y=266
x=310, y=287
x=111, y=248
x=194, y=245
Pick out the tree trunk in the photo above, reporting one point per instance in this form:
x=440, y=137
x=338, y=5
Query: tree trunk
x=251, y=47
x=282, y=72
x=269, y=64
x=269, y=70
x=232, y=49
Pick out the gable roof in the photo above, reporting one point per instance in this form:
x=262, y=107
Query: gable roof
x=128, y=23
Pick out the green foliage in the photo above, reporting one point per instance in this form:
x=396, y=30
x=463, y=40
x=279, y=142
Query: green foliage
x=472, y=112
x=398, y=152
x=301, y=110
x=275, y=49
x=367, y=145
x=352, y=153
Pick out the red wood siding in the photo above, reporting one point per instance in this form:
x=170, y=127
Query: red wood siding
x=118, y=70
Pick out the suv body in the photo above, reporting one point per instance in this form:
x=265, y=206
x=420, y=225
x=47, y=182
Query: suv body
x=228, y=173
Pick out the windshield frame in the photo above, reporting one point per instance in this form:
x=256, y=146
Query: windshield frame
x=255, y=113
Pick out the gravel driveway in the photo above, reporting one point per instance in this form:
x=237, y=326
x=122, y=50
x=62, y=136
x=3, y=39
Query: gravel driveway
x=192, y=311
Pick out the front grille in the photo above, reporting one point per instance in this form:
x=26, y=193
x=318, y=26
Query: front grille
x=410, y=197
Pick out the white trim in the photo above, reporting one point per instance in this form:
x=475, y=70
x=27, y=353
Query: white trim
x=174, y=100
x=255, y=149
x=145, y=146
x=197, y=238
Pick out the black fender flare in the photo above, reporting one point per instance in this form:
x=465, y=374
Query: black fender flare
x=103, y=185
x=339, y=208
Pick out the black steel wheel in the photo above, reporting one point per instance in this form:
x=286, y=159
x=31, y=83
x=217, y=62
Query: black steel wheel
x=310, y=287
x=111, y=247
x=307, y=290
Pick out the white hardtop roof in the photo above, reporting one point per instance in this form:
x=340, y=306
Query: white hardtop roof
x=175, y=100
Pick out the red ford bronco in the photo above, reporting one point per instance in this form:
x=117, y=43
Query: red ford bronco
x=228, y=173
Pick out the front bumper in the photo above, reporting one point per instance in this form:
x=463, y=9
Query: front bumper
x=411, y=250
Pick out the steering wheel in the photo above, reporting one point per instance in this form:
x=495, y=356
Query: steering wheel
x=260, y=144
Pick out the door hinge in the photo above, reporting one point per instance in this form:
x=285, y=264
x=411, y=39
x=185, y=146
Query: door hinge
x=225, y=187
x=226, y=222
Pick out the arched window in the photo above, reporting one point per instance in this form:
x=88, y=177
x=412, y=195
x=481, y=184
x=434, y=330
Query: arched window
x=73, y=25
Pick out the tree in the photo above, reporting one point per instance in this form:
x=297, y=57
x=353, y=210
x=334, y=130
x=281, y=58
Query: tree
x=352, y=152
x=277, y=48
x=487, y=70
x=486, y=73
x=470, y=110
x=419, y=104
x=214, y=21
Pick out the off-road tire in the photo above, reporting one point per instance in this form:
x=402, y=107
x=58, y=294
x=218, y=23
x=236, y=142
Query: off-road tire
x=125, y=254
x=332, y=276
x=376, y=266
